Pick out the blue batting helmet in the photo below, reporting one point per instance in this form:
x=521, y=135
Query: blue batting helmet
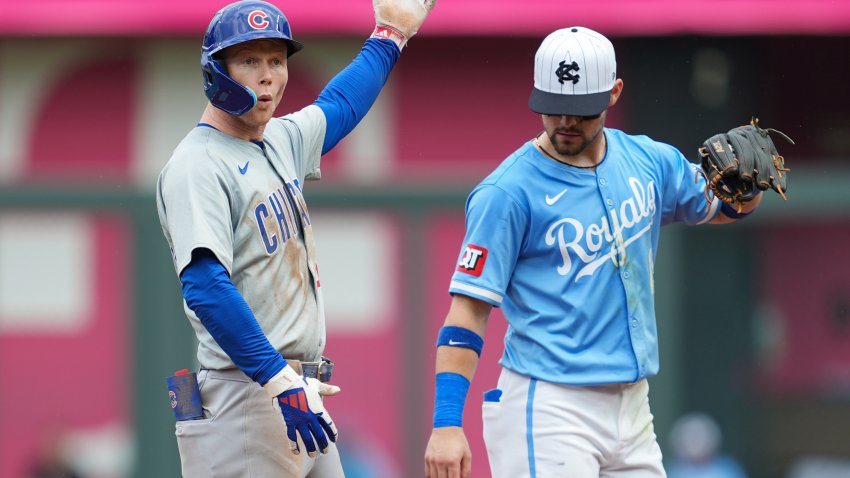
x=238, y=23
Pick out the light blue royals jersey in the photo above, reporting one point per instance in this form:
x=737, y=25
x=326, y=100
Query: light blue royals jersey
x=568, y=254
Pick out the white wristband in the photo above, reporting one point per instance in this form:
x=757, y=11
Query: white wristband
x=389, y=33
x=282, y=381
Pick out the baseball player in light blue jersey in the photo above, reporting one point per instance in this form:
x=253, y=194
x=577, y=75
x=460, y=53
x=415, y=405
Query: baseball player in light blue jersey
x=231, y=207
x=563, y=236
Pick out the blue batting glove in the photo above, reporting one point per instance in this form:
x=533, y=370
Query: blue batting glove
x=303, y=411
x=308, y=417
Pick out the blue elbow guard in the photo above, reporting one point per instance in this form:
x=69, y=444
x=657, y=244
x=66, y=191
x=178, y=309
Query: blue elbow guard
x=454, y=336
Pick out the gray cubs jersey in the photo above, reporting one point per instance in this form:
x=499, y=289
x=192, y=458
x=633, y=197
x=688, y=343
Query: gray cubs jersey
x=243, y=202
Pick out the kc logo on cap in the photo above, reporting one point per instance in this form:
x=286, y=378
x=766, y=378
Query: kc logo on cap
x=574, y=72
x=564, y=74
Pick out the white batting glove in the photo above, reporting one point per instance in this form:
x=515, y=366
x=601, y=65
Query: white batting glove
x=399, y=20
x=324, y=389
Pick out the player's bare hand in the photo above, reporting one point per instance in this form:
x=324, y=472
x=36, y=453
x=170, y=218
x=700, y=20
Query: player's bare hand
x=406, y=16
x=448, y=454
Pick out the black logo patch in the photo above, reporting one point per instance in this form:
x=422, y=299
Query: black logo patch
x=564, y=74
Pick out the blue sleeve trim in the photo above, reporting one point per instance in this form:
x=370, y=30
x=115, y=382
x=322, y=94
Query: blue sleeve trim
x=225, y=314
x=350, y=94
x=450, y=397
x=476, y=292
x=454, y=336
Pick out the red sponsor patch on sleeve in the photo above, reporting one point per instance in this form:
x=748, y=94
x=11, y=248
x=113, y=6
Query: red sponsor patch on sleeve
x=473, y=259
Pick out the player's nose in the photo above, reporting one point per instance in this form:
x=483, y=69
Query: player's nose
x=265, y=74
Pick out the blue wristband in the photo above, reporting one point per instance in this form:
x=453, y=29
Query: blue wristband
x=733, y=213
x=449, y=399
x=454, y=336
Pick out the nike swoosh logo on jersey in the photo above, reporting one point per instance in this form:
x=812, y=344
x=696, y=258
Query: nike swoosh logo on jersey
x=244, y=169
x=551, y=201
x=453, y=343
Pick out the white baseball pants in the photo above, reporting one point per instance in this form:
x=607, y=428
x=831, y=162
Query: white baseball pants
x=540, y=430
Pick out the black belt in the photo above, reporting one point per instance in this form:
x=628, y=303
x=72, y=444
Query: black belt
x=321, y=370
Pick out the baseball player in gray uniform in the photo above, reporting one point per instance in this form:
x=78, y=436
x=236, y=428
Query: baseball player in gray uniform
x=563, y=236
x=231, y=207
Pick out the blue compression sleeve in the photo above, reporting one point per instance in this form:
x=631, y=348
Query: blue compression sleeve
x=348, y=97
x=223, y=311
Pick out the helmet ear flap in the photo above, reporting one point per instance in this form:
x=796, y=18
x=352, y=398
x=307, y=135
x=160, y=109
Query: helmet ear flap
x=224, y=92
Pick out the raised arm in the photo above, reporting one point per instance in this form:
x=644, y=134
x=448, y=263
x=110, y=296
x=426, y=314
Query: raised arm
x=350, y=94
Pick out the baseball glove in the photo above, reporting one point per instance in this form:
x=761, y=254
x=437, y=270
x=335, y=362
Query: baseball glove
x=743, y=162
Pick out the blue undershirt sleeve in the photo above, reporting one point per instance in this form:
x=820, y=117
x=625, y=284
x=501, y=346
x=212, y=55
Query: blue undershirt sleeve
x=350, y=94
x=225, y=314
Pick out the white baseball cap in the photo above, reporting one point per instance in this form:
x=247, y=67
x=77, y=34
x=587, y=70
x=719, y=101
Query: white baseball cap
x=574, y=73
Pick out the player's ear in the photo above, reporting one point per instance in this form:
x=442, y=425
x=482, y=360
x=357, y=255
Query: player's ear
x=615, y=92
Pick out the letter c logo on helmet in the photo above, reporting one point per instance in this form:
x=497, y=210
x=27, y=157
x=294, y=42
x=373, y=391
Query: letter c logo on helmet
x=258, y=19
x=237, y=23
